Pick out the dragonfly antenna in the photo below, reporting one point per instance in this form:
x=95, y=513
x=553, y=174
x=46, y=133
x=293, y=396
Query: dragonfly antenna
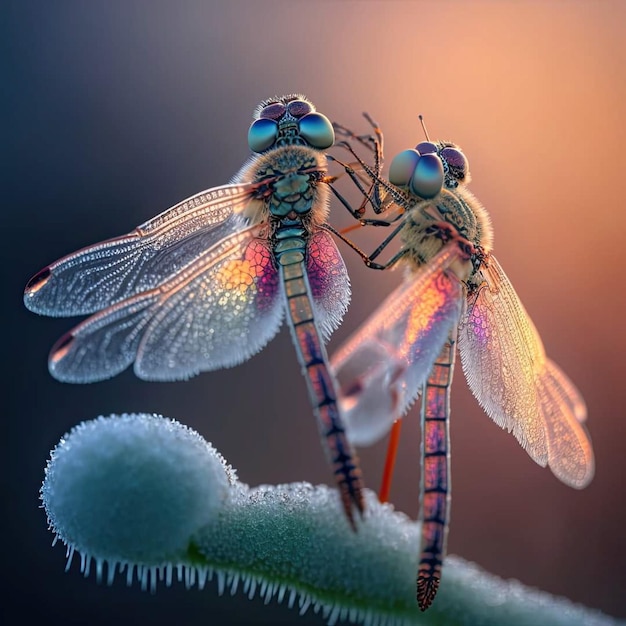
x=421, y=118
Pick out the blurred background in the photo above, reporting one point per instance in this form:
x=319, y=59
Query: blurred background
x=113, y=111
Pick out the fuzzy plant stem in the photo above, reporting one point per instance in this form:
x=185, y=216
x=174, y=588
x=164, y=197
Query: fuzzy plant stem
x=147, y=498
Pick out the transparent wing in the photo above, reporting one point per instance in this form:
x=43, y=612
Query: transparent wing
x=570, y=455
x=568, y=391
x=215, y=312
x=518, y=386
x=381, y=368
x=329, y=282
x=110, y=271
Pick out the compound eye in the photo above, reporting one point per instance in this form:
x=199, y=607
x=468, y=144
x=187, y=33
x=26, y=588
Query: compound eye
x=317, y=130
x=402, y=168
x=426, y=147
x=299, y=108
x=262, y=134
x=273, y=111
x=457, y=162
x=427, y=180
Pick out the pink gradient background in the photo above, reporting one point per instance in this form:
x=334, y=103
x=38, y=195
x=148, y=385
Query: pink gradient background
x=117, y=110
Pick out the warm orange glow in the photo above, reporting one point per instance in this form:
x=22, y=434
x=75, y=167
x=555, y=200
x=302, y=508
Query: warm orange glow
x=426, y=310
x=235, y=275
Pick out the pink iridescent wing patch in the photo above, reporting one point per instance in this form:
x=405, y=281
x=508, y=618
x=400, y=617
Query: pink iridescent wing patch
x=519, y=387
x=329, y=282
x=218, y=317
x=382, y=367
x=215, y=312
x=258, y=263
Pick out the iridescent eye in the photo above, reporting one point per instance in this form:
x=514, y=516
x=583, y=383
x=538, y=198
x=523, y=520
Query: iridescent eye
x=457, y=162
x=262, y=134
x=299, y=108
x=402, y=167
x=273, y=111
x=426, y=147
x=317, y=130
x=427, y=179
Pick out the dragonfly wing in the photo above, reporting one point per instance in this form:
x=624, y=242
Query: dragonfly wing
x=214, y=319
x=329, y=282
x=568, y=391
x=111, y=271
x=215, y=312
x=381, y=368
x=570, y=455
x=103, y=345
x=507, y=370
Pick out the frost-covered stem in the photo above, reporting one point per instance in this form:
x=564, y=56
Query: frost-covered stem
x=174, y=510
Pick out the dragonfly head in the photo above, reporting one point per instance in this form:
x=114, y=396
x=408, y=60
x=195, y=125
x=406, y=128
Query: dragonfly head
x=289, y=120
x=428, y=168
x=455, y=164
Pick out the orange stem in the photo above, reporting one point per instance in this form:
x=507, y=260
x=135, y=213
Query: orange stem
x=390, y=461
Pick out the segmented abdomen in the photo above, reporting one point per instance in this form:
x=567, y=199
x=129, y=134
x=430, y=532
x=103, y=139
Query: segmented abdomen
x=320, y=382
x=435, y=483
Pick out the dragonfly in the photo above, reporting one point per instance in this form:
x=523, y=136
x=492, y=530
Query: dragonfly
x=207, y=283
x=454, y=294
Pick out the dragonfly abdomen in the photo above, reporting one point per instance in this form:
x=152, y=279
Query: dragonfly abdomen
x=435, y=483
x=290, y=255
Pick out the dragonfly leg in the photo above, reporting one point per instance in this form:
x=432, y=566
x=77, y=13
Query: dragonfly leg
x=381, y=193
x=373, y=142
x=378, y=200
x=369, y=259
x=356, y=213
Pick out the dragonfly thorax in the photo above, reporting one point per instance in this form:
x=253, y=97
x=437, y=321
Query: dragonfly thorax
x=430, y=224
x=290, y=176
